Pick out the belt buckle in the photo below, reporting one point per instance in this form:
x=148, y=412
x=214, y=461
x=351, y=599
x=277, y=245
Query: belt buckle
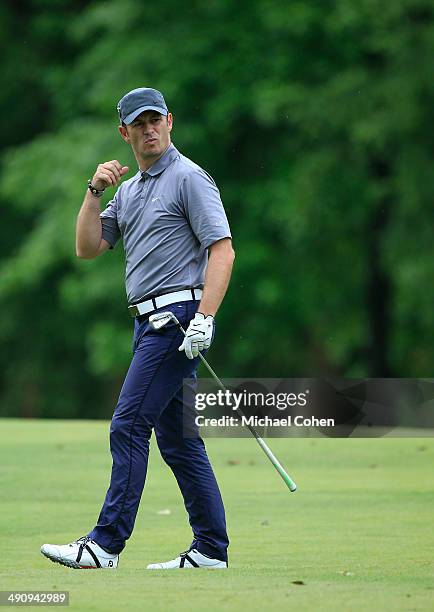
x=134, y=311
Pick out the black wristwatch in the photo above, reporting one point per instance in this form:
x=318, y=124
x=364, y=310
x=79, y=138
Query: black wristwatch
x=94, y=191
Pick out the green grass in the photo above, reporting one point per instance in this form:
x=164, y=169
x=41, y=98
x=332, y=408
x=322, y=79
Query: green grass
x=358, y=533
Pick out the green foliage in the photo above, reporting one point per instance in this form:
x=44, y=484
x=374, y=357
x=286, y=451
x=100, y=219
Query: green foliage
x=314, y=120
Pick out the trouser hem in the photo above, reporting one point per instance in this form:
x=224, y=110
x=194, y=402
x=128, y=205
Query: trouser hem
x=110, y=551
x=210, y=551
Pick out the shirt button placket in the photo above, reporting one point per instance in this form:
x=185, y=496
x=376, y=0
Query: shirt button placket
x=145, y=188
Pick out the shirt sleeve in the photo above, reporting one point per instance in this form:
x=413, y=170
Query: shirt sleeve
x=109, y=221
x=204, y=208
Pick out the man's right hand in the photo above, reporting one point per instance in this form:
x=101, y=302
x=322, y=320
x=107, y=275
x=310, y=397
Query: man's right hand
x=108, y=174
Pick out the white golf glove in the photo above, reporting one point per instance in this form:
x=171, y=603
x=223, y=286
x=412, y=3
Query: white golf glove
x=198, y=335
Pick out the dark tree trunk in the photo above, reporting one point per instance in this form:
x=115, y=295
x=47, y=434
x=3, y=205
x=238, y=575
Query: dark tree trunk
x=379, y=286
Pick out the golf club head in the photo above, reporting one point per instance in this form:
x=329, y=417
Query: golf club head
x=160, y=319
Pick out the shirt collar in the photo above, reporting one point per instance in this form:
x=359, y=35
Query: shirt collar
x=161, y=164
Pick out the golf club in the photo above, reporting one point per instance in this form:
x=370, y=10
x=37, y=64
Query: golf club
x=159, y=320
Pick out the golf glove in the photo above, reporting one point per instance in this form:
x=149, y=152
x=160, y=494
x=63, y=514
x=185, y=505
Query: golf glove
x=198, y=335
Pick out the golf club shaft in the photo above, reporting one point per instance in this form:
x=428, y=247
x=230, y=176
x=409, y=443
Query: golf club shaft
x=285, y=476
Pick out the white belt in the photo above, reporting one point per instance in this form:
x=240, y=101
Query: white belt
x=185, y=295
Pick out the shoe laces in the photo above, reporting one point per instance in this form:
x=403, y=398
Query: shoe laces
x=187, y=552
x=82, y=542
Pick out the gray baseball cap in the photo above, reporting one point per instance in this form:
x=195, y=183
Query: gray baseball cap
x=138, y=100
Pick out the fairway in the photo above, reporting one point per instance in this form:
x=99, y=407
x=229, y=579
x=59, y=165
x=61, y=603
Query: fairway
x=356, y=536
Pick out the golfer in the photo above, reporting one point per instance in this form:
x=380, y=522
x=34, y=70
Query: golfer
x=179, y=257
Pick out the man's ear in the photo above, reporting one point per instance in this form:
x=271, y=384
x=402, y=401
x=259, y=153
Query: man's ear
x=124, y=133
x=169, y=121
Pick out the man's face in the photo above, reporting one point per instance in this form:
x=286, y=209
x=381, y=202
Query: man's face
x=148, y=135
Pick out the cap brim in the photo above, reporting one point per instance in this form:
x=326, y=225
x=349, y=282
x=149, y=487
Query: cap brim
x=130, y=118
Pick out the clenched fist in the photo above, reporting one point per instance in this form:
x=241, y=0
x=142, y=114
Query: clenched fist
x=108, y=174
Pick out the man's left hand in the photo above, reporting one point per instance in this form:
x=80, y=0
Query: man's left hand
x=198, y=335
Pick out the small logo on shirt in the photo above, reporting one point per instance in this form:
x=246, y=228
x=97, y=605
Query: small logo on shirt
x=155, y=199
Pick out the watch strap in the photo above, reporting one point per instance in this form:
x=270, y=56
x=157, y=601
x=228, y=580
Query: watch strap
x=94, y=191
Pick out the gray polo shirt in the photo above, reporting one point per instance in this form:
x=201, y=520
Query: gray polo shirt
x=167, y=217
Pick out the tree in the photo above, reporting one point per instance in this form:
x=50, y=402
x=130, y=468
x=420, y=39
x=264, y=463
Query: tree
x=313, y=120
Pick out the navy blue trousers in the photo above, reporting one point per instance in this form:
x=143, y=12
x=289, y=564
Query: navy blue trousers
x=152, y=399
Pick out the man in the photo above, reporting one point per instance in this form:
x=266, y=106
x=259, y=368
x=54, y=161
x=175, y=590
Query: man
x=179, y=257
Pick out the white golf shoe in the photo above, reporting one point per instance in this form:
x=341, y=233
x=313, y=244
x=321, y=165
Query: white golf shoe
x=189, y=560
x=83, y=553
